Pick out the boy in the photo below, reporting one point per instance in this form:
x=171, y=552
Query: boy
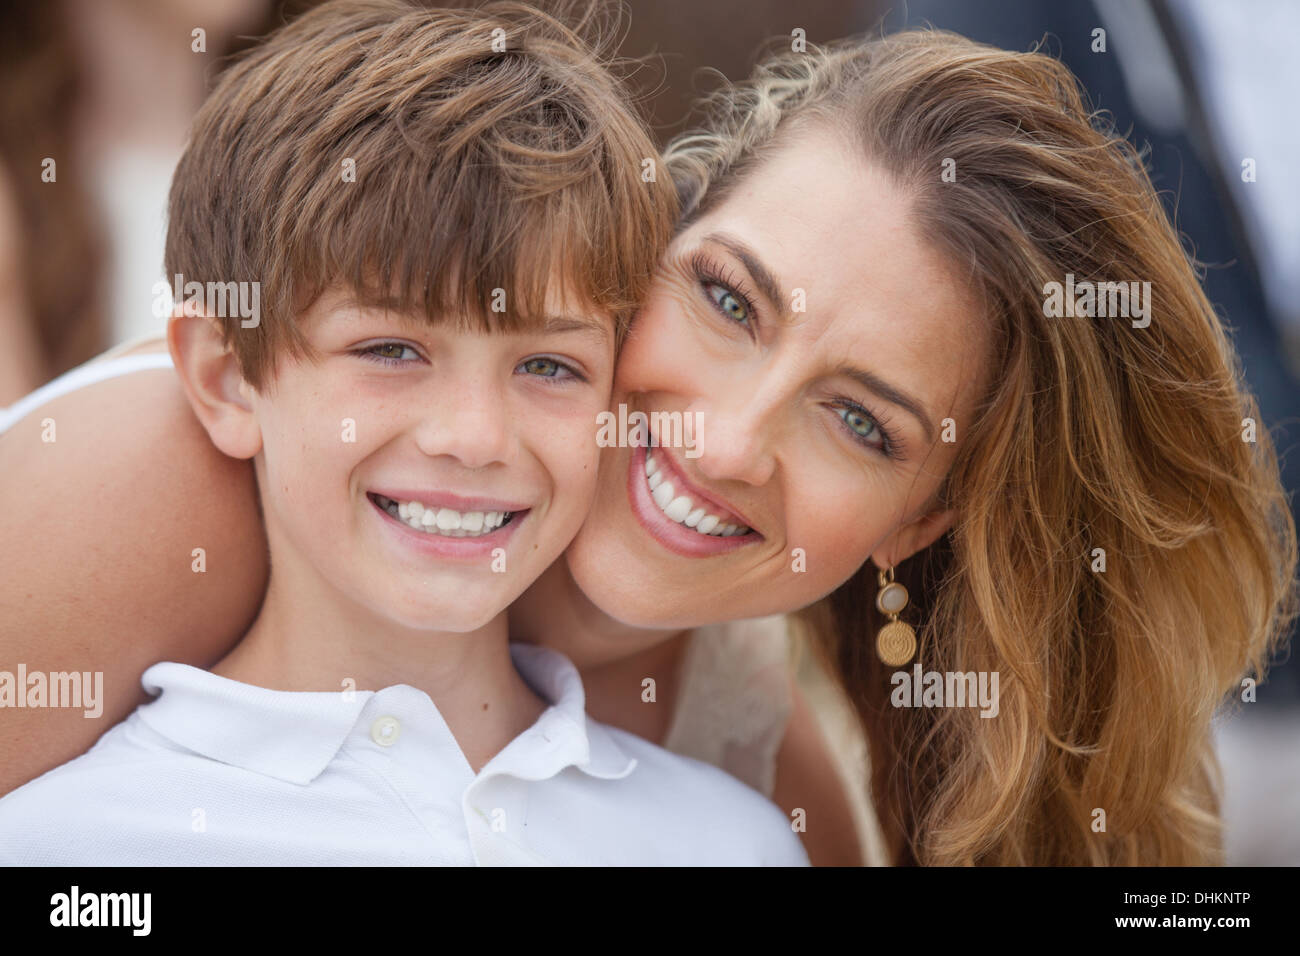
x=446, y=220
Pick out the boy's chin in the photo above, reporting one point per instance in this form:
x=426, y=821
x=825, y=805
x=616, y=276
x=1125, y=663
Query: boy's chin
x=461, y=612
x=444, y=622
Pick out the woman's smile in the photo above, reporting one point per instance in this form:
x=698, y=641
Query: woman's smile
x=678, y=514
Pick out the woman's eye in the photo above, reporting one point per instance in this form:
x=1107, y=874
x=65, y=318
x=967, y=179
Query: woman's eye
x=546, y=368
x=870, y=432
x=728, y=302
x=861, y=425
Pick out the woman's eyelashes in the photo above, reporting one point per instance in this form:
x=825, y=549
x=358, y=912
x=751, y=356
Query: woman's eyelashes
x=861, y=424
x=548, y=368
x=725, y=292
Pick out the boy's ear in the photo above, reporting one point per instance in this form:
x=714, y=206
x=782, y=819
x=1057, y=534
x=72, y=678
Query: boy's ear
x=210, y=375
x=919, y=533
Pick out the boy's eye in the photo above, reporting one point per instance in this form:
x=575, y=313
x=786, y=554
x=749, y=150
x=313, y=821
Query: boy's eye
x=546, y=368
x=390, y=353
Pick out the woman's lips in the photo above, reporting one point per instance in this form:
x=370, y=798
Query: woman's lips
x=675, y=536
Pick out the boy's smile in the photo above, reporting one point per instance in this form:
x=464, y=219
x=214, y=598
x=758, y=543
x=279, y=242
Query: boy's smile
x=449, y=525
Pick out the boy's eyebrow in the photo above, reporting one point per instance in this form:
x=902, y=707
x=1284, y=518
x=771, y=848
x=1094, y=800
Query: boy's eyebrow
x=549, y=325
x=767, y=282
x=558, y=324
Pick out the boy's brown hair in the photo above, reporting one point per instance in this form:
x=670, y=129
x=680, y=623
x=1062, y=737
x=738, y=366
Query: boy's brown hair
x=492, y=149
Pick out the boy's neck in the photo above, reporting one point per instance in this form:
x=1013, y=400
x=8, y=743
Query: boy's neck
x=307, y=638
x=555, y=612
x=613, y=657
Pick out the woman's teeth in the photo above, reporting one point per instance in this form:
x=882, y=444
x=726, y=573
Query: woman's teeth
x=682, y=509
x=444, y=521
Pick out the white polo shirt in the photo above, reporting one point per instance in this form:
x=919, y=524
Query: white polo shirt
x=218, y=772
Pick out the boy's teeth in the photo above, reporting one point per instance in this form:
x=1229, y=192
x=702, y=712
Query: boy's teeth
x=681, y=508
x=444, y=521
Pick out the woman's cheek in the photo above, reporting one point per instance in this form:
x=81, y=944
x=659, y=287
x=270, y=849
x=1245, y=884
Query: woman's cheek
x=662, y=340
x=834, y=547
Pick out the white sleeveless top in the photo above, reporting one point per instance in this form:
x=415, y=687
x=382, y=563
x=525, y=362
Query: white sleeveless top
x=734, y=697
x=109, y=365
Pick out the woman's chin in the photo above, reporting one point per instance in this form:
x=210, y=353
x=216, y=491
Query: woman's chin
x=613, y=570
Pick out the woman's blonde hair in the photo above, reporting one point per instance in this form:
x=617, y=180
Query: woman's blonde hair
x=1094, y=434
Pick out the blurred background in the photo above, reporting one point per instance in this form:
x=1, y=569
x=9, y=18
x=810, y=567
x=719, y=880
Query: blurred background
x=106, y=89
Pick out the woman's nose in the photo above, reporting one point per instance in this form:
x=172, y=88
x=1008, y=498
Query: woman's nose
x=735, y=441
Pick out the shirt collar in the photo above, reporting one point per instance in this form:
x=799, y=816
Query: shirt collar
x=564, y=735
x=293, y=735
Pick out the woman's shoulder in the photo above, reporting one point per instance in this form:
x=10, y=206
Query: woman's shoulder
x=139, y=355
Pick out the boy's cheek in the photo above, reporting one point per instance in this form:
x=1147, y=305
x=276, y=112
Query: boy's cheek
x=570, y=455
x=301, y=460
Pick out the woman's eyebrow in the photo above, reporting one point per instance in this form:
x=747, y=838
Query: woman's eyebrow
x=767, y=283
x=874, y=383
x=770, y=286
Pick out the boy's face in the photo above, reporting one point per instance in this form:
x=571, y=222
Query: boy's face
x=486, y=443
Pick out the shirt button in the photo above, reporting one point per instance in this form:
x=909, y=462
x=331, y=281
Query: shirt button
x=385, y=731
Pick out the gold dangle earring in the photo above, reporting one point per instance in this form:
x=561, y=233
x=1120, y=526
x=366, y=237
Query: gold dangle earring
x=896, y=641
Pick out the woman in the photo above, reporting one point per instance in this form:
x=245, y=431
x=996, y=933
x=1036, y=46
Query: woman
x=855, y=306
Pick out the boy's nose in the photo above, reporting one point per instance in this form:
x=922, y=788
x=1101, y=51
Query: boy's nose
x=468, y=422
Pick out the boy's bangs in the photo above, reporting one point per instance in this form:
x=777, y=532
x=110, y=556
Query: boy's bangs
x=512, y=275
x=392, y=148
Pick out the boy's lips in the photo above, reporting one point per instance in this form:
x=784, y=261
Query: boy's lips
x=447, y=525
x=431, y=498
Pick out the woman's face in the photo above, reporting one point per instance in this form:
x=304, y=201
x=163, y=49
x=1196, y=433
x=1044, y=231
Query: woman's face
x=820, y=344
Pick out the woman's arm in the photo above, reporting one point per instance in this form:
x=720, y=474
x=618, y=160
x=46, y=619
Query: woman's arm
x=20, y=360
x=807, y=779
x=98, y=566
